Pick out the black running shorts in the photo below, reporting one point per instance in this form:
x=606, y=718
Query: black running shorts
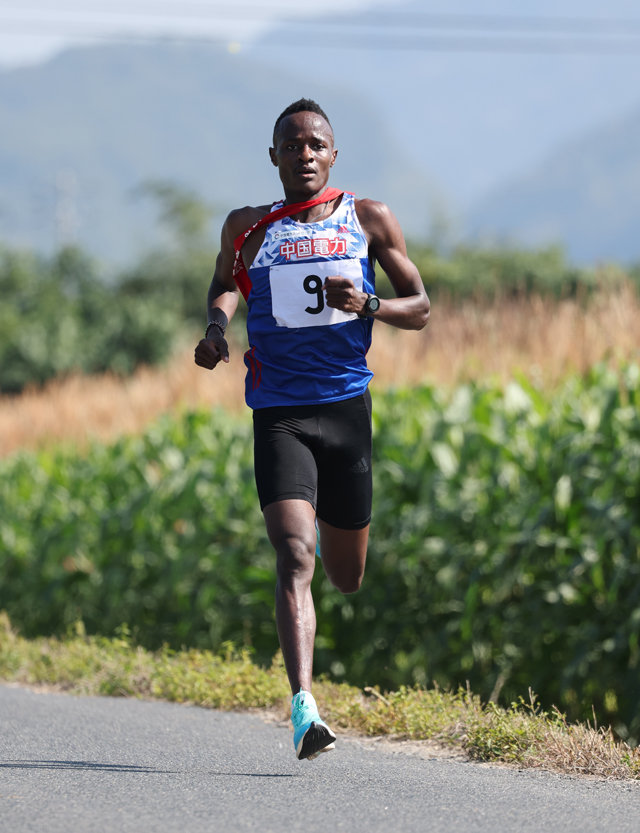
x=317, y=453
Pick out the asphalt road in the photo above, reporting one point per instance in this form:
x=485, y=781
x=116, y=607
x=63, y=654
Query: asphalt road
x=74, y=764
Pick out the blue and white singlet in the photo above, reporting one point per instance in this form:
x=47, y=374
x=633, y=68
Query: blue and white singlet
x=301, y=351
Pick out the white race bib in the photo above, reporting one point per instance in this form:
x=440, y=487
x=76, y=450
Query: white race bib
x=297, y=298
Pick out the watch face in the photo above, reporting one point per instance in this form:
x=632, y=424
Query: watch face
x=373, y=304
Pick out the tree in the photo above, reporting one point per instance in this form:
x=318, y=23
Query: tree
x=182, y=211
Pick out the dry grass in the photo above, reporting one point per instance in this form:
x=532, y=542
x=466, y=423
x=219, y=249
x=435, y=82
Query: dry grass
x=457, y=722
x=544, y=339
x=583, y=750
x=525, y=735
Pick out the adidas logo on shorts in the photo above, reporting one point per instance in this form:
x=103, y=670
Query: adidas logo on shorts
x=360, y=467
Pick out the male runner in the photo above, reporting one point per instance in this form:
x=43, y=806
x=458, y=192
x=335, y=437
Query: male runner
x=307, y=273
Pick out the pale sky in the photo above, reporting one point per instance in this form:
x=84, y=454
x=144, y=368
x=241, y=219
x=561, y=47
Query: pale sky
x=33, y=30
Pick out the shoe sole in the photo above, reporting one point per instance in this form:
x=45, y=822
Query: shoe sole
x=327, y=748
x=318, y=738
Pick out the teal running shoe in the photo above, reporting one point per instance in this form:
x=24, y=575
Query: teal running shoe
x=311, y=736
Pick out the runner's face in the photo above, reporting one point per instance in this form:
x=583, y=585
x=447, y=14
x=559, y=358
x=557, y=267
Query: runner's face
x=303, y=154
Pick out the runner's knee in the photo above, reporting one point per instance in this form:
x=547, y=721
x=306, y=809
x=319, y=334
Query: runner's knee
x=295, y=557
x=346, y=580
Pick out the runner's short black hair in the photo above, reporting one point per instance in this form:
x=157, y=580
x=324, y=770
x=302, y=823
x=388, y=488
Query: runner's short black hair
x=302, y=105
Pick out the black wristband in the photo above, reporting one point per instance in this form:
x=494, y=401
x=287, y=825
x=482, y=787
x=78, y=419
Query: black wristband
x=218, y=319
x=213, y=324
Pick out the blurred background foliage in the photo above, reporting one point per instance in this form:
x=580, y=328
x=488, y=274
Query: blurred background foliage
x=62, y=314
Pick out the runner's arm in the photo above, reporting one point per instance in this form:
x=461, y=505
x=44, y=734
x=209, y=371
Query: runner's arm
x=409, y=310
x=222, y=299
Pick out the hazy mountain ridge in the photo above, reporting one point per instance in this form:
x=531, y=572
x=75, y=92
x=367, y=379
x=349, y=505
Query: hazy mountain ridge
x=95, y=122
x=482, y=123
x=83, y=130
x=586, y=195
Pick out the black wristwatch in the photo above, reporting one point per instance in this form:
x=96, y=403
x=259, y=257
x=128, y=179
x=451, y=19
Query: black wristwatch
x=371, y=305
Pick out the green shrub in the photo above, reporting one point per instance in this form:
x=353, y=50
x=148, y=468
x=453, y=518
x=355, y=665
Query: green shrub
x=62, y=315
x=496, y=272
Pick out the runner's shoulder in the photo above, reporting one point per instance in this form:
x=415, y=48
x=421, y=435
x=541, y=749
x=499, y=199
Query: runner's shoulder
x=241, y=219
x=372, y=211
x=376, y=218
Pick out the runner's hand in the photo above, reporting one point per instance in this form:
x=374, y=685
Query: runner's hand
x=212, y=350
x=341, y=293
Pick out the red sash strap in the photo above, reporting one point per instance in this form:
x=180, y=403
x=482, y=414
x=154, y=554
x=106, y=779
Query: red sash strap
x=240, y=274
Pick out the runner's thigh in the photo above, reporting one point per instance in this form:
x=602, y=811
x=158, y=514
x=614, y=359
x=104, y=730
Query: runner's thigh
x=285, y=467
x=344, y=464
